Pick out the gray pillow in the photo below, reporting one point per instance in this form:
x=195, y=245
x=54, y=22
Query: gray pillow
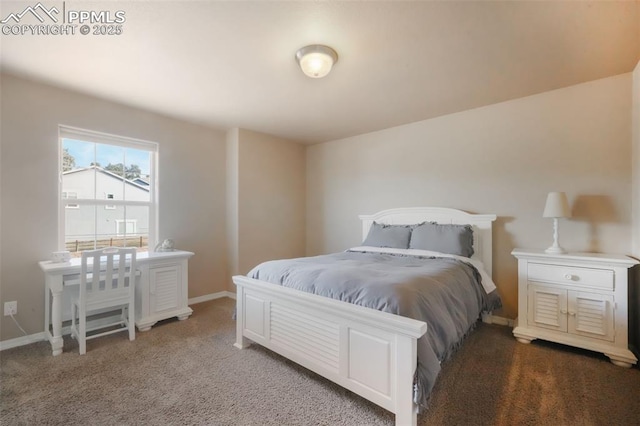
x=451, y=239
x=393, y=236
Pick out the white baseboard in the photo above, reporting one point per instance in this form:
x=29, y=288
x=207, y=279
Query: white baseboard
x=493, y=319
x=212, y=296
x=21, y=341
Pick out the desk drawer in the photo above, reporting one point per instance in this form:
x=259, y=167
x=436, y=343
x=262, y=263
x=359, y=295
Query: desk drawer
x=598, y=278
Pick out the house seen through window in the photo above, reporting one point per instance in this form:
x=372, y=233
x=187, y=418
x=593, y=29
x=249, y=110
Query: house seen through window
x=107, y=191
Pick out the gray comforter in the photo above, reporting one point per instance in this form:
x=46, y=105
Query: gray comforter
x=445, y=293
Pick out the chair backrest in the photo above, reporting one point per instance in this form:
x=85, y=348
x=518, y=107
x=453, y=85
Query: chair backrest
x=111, y=270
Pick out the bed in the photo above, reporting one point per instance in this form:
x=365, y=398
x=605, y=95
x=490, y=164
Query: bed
x=370, y=352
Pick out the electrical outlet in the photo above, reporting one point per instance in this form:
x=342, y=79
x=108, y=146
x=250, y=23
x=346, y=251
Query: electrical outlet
x=10, y=308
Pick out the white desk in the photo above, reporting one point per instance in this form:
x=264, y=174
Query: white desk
x=161, y=291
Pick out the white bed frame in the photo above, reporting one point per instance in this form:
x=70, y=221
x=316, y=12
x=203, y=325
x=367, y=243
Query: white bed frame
x=369, y=352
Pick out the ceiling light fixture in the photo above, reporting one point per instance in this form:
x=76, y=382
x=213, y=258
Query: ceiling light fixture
x=316, y=60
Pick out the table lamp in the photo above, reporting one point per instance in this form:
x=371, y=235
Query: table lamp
x=557, y=207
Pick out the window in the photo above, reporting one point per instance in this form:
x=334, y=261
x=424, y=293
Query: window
x=110, y=206
x=107, y=191
x=70, y=195
x=126, y=227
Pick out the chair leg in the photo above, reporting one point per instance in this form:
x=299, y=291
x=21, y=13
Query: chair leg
x=73, y=322
x=132, y=323
x=82, y=333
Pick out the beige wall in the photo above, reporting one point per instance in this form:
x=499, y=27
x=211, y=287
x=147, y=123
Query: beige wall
x=233, y=144
x=635, y=158
x=191, y=185
x=500, y=159
x=270, y=199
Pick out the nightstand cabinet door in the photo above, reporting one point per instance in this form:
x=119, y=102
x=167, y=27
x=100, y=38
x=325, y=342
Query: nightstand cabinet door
x=576, y=312
x=591, y=315
x=547, y=307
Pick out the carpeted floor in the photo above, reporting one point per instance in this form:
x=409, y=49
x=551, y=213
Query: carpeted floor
x=188, y=373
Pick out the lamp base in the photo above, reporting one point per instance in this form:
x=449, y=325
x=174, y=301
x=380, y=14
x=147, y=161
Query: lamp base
x=555, y=250
x=555, y=247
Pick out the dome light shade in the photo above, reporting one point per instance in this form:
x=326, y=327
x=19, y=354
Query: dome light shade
x=316, y=60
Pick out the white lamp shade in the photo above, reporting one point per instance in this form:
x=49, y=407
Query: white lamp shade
x=557, y=205
x=316, y=61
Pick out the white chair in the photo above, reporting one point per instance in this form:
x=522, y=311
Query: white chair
x=107, y=280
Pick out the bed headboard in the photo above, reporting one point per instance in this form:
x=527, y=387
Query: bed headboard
x=482, y=225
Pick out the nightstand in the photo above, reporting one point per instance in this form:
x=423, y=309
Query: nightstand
x=577, y=299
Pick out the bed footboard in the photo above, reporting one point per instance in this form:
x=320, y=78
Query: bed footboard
x=369, y=352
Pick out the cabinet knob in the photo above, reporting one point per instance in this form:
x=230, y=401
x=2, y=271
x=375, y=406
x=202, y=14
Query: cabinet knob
x=568, y=276
x=573, y=314
x=563, y=311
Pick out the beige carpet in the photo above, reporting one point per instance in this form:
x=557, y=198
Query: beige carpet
x=188, y=373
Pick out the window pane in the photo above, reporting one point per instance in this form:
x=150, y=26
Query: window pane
x=137, y=191
x=79, y=229
x=137, y=226
x=122, y=226
x=137, y=172
x=109, y=226
x=110, y=172
x=78, y=177
x=79, y=154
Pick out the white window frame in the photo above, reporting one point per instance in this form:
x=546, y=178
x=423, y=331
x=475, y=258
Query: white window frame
x=68, y=132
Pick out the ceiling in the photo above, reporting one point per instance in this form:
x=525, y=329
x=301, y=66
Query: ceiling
x=231, y=64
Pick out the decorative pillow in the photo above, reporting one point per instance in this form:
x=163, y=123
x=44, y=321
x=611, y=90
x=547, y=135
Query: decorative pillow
x=451, y=239
x=393, y=236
